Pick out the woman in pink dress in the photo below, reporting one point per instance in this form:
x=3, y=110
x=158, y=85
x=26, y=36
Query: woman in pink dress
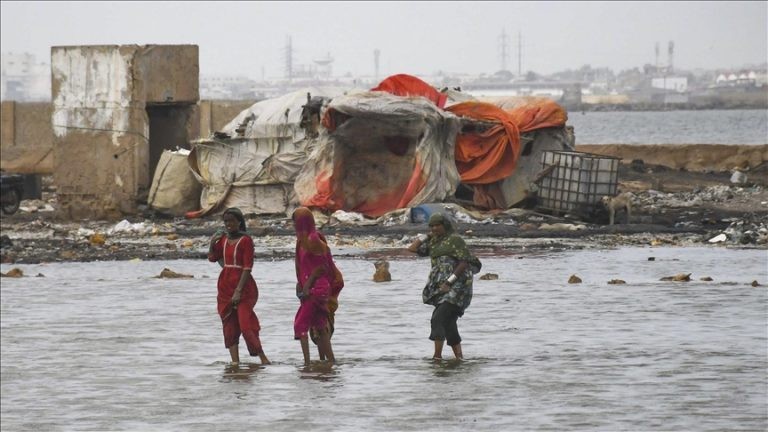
x=238, y=292
x=316, y=285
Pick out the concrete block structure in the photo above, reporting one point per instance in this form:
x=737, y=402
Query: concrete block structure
x=26, y=139
x=114, y=110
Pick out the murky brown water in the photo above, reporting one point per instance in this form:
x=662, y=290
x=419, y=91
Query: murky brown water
x=106, y=346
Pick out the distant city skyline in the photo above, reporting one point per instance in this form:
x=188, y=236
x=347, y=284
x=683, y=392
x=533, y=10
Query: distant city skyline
x=250, y=39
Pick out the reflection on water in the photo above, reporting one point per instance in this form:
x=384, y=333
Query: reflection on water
x=240, y=372
x=319, y=371
x=106, y=346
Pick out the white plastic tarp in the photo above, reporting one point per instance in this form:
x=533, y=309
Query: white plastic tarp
x=278, y=118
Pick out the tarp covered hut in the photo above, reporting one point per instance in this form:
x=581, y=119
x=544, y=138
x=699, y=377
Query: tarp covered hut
x=252, y=162
x=399, y=145
x=499, y=147
x=379, y=152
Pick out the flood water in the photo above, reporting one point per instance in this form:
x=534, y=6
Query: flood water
x=671, y=127
x=106, y=346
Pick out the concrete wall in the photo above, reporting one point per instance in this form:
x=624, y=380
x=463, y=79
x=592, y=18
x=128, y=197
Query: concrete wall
x=215, y=114
x=100, y=123
x=26, y=137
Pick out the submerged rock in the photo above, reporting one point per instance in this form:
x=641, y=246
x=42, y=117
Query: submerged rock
x=382, y=271
x=14, y=273
x=680, y=277
x=574, y=279
x=170, y=274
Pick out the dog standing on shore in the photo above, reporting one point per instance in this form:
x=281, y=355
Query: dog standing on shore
x=622, y=201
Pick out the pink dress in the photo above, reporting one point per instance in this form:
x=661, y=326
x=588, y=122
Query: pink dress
x=313, y=311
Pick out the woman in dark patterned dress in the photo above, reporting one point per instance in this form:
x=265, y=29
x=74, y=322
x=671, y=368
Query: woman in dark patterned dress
x=449, y=288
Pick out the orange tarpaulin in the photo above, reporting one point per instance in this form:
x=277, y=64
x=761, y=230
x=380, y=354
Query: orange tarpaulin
x=408, y=85
x=537, y=114
x=488, y=156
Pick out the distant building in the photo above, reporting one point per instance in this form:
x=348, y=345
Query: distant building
x=677, y=84
x=24, y=78
x=226, y=87
x=741, y=78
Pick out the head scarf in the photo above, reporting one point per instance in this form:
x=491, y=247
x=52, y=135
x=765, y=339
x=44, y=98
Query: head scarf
x=234, y=211
x=450, y=244
x=307, y=236
x=446, y=222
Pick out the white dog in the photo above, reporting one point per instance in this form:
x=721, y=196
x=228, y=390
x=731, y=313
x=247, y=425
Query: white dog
x=622, y=201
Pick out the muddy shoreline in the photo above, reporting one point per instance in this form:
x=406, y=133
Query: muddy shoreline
x=671, y=207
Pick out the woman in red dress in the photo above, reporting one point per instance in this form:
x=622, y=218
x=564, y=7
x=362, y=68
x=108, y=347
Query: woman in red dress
x=237, y=289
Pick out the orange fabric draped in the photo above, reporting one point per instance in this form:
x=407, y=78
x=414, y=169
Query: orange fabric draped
x=538, y=114
x=488, y=156
x=408, y=85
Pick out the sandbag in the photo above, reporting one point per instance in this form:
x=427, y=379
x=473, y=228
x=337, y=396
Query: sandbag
x=174, y=190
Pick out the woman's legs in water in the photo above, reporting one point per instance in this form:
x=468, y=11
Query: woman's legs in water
x=444, y=329
x=438, y=349
x=305, y=349
x=324, y=346
x=234, y=353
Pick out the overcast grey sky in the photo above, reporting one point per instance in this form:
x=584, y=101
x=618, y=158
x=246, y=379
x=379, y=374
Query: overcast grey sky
x=241, y=38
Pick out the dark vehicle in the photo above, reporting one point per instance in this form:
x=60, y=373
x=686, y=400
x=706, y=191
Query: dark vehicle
x=11, y=192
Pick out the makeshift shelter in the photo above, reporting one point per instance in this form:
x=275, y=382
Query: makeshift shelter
x=252, y=162
x=498, y=150
x=377, y=153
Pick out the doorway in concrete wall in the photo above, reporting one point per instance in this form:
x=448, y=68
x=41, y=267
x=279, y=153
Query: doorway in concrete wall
x=167, y=130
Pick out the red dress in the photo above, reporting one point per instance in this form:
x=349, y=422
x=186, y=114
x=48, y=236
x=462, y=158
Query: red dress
x=238, y=256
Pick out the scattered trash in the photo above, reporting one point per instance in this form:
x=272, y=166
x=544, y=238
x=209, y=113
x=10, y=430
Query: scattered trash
x=561, y=227
x=680, y=277
x=738, y=177
x=126, y=227
x=574, y=279
x=172, y=237
x=97, y=239
x=651, y=258
x=489, y=276
x=382, y=271
x=348, y=217
x=170, y=274
x=14, y=273
x=68, y=254
x=616, y=282
x=40, y=275
x=718, y=238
